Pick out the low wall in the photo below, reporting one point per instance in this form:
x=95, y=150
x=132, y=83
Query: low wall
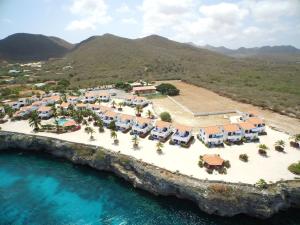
x=213, y=197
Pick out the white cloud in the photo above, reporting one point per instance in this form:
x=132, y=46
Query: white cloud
x=91, y=13
x=129, y=21
x=123, y=8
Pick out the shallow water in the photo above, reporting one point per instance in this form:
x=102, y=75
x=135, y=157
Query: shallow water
x=40, y=189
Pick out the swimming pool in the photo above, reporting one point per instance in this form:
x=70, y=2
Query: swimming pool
x=62, y=121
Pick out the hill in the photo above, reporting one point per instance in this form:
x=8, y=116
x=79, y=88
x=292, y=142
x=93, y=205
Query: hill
x=282, y=52
x=32, y=47
x=108, y=58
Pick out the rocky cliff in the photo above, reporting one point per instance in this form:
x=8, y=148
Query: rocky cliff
x=213, y=197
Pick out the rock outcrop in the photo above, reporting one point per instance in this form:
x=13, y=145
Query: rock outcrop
x=213, y=197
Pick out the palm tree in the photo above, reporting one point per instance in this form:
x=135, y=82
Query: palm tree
x=295, y=141
x=54, y=110
x=34, y=121
x=85, y=122
x=159, y=146
x=262, y=149
x=149, y=114
x=90, y=130
x=100, y=124
x=9, y=110
x=135, y=141
x=279, y=145
x=57, y=126
x=120, y=104
x=114, y=136
x=138, y=110
x=113, y=104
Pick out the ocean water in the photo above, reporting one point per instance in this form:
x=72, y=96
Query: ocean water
x=40, y=189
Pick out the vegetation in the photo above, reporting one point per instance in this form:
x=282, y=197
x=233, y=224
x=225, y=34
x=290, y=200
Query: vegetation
x=295, y=141
x=167, y=89
x=279, y=145
x=159, y=146
x=261, y=184
x=34, y=121
x=295, y=168
x=138, y=110
x=112, y=125
x=124, y=86
x=165, y=116
x=135, y=141
x=90, y=131
x=262, y=149
x=243, y=157
x=114, y=136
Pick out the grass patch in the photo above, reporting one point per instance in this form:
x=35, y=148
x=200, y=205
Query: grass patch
x=295, y=168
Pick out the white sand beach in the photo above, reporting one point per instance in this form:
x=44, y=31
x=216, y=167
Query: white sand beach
x=174, y=158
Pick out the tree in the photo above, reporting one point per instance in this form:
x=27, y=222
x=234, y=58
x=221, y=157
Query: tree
x=167, y=89
x=34, y=121
x=261, y=184
x=90, y=130
x=54, y=110
x=262, y=149
x=138, y=110
x=114, y=136
x=99, y=123
x=159, y=146
x=112, y=125
x=243, y=157
x=149, y=114
x=120, y=105
x=165, y=116
x=295, y=141
x=57, y=126
x=135, y=141
x=9, y=110
x=279, y=145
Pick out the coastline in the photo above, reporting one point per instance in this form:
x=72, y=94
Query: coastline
x=213, y=197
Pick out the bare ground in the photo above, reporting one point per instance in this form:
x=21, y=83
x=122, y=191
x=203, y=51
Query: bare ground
x=193, y=99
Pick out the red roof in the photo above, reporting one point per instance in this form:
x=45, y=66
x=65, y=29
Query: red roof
x=213, y=160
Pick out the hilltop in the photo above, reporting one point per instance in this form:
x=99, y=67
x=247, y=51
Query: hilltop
x=32, y=47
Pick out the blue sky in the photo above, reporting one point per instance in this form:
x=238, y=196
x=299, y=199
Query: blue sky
x=229, y=23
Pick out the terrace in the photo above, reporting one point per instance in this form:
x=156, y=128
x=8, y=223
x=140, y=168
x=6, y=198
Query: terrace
x=211, y=135
x=162, y=130
x=142, y=126
x=124, y=122
x=182, y=134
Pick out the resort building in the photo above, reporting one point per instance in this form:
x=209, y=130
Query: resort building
x=142, y=126
x=108, y=117
x=80, y=106
x=23, y=101
x=162, y=130
x=90, y=97
x=124, y=122
x=129, y=100
x=212, y=161
x=73, y=99
x=37, y=104
x=144, y=90
x=45, y=112
x=24, y=111
x=2, y=110
x=232, y=133
x=249, y=131
x=94, y=107
x=258, y=123
x=211, y=135
x=14, y=105
x=104, y=96
x=182, y=134
x=249, y=114
x=64, y=106
x=51, y=100
x=140, y=101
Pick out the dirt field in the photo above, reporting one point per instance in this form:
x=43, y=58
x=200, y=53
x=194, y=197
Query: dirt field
x=193, y=99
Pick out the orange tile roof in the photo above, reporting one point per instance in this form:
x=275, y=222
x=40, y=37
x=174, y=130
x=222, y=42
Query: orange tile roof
x=140, y=98
x=95, y=106
x=126, y=117
x=213, y=160
x=37, y=103
x=104, y=108
x=255, y=120
x=44, y=109
x=246, y=125
x=144, y=88
x=183, y=128
x=162, y=124
x=25, y=108
x=103, y=94
x=81, y=105
x=212, y=130
x=141, y=120
x=65, y=104
x=131, y=97
x=73, y=97
x=231, y=127
x=110, y=113
x=253, y=112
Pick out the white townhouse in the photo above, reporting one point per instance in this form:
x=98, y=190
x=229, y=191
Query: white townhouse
x=14, y=105
x=211, y=135
x=94, y=107
x=64, y=106
x=124, y=122
x=250, y=114
x=129, y=100
x=140, y=101
x=2, y=110
x=90, y=97
x=258, y=123
x=182, y=134
x=37, y=104
x=24, y=111
x=162, y=130
x=51, y=100
x=23, y=102
x=232, y=133
x=73, y=99
x=104, y=96
x=249, y=131
x=45, y=112
x=108, y=117
x=142, y=126
x=80, y=106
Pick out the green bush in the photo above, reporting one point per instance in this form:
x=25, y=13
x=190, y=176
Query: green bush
x=295, y=168
x=165, y=116
x=227, y=164
x=200, y=164
x=244, y=157
x=261, y=184
x=167, y=89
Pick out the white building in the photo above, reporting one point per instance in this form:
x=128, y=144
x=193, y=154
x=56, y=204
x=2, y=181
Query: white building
x=124, y=122
x=142, y=126
x=73, y=99
x=140, y=101
x=232, y=133
x=51, y=100
x=104, y=96
x=45, y=112
x=182, y=134
x=129, y=100
x=90, y=97
x=108, y=117
x=249, y=131
x=161, y=130
x=211, y=135
x=258, y=123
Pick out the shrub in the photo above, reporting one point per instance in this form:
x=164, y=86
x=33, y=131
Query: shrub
x=262, y=152
x=243, y=157
x=261, y=184
x=279, y=145
x=200, y=164
x=222, y=170
x=167, y=89
x=227, y=164
x=165, y=116
x=295, y=168
x=209, y=171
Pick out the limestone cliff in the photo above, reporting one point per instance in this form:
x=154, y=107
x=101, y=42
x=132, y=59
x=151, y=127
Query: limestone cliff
x=213, y=197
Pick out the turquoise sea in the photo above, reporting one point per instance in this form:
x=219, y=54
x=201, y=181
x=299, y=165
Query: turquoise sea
x=40, y=189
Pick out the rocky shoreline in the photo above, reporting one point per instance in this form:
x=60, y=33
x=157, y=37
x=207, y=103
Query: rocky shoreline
x=213, y=197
